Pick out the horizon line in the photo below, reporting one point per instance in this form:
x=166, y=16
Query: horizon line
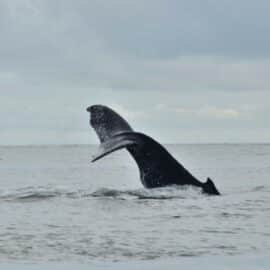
x=165, y=143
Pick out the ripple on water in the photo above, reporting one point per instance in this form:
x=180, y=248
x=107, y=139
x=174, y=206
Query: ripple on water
x=44, y=193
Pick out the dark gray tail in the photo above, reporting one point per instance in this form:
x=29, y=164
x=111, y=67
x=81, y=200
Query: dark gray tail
x=157, y=166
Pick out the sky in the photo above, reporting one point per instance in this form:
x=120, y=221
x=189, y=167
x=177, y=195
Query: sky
x=180, y=71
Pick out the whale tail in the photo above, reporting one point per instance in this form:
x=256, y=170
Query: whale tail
x=156, y=165
x=209, y=187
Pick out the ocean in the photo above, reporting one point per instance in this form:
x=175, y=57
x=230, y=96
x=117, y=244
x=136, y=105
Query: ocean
x=57, y=207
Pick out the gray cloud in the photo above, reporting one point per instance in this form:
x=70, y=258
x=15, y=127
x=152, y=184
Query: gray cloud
x=189, y=62
x=106, y=43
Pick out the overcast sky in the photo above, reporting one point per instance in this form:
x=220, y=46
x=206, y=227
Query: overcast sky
x=180, y=71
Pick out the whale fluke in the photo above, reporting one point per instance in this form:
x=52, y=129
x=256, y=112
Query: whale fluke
x=157, y=166
x=106, y=122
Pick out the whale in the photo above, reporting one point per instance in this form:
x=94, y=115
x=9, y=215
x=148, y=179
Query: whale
x=157, y=167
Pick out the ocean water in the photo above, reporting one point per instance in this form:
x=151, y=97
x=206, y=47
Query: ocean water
x=58, y=207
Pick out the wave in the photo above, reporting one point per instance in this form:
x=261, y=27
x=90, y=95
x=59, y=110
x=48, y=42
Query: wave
x=30, y=194
x=166, y=193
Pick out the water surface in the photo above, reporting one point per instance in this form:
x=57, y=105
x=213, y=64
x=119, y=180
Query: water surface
x=56, y=206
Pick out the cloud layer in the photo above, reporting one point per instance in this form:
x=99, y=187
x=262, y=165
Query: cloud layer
x=183, y=71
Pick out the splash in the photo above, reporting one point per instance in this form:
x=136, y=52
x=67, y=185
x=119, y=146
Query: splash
x=30, y=194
